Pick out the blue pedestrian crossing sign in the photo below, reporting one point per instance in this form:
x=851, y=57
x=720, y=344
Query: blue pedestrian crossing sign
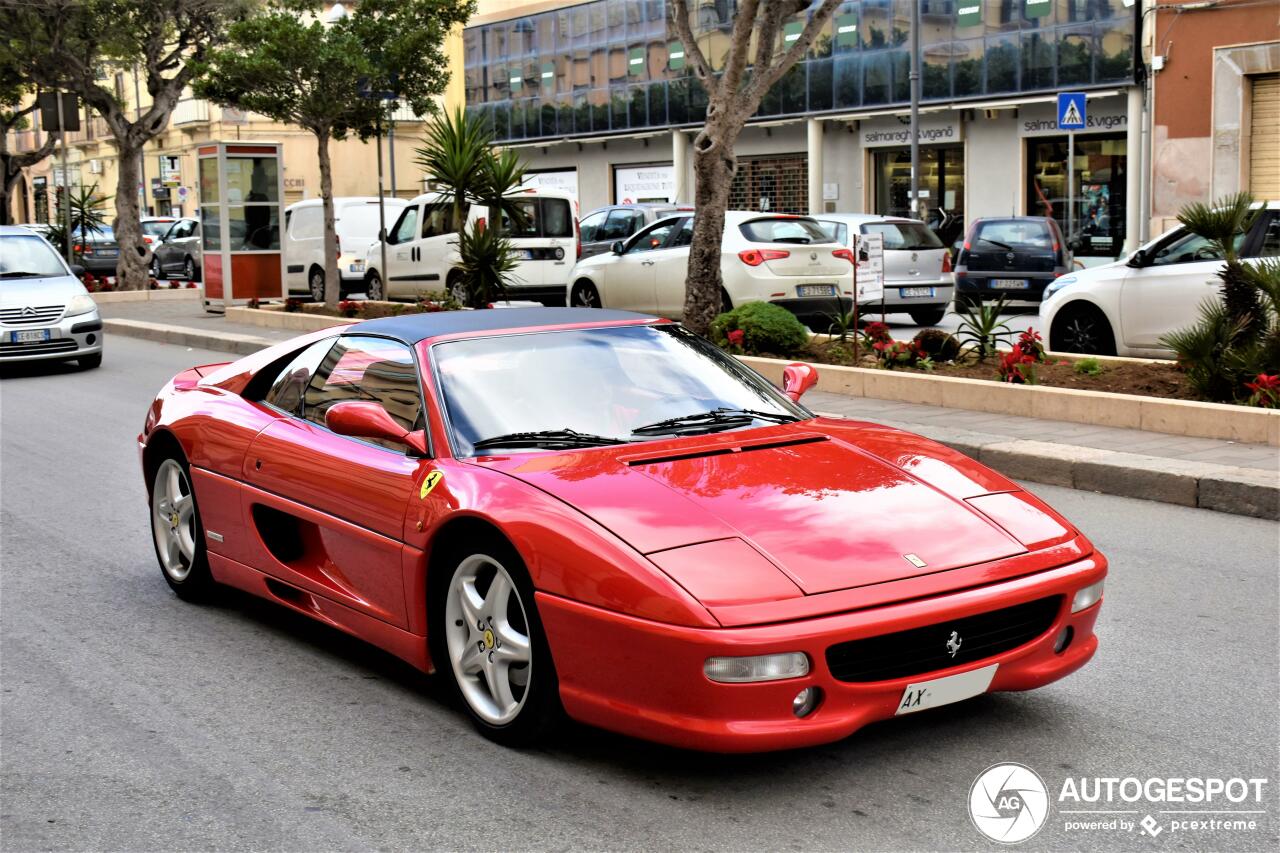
x=1071, y=111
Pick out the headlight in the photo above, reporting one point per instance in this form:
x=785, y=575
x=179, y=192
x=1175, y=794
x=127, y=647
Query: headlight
x=81, y=304
x=734, y=670
x=1087, y=597
x=1057, y=284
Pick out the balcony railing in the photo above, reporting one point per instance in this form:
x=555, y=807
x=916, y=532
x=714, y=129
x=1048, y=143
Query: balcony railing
x=24, y=140
x=190, y=111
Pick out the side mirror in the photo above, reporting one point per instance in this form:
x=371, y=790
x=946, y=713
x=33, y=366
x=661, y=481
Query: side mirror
x=365, y=419
x=77, y=271
x=1138, y=258
x=616, y=248
x=798, y=378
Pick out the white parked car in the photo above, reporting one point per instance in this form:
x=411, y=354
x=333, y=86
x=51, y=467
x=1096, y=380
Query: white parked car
x=355, y=219
x=917, y=266
x=787, y=260
x=422, y=248
x=1124, y=308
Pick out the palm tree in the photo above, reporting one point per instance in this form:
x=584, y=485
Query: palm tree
x=1224, y=225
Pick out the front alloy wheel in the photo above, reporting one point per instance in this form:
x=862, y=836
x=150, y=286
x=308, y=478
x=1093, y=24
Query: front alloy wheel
x=373, y=288
x=585, y=295
x=1081, y=328
x=188, y=270
x=316, y=285
x=177, y=533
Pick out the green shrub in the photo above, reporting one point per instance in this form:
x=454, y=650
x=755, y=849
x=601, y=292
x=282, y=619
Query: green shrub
x=1088, y=367
x=765, y=328
x=937, y=345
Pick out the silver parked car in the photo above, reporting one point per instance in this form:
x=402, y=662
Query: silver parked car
x=45, y=311
x=177, y=255
x=917, y=266
x=604, y=226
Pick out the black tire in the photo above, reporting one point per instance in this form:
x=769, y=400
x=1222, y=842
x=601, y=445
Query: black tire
x=156, y=272
x=539, y=711
x=195, y=583
x=188, y=269
x=1083, y=328
x=726, y=304
x=315, y=284
x=585, y=295
x=928, y=316
x=373, y=287
x=89, y=362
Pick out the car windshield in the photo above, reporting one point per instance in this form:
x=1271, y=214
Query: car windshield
x=904, y=236
x=100, y=234
x=601, y=383
x=1015, y=232
x=156, y=227
x=28, y=257
x=783, y=230
x=542, y=217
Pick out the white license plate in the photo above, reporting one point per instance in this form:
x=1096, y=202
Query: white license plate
x=29, y=336
x=1009, y=284
x=815, y=290
x=944, y=691
x=915, y=292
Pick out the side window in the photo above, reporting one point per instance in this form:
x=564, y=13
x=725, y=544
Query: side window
x=365, y=368
x=1271, y=238
x=290, y=384
x=684, y=237
x=591, y=226
x=436, y=220
x=557, y=218
x=655, y=237
x=1185, y=248
x=406, y=226
x=618, y=226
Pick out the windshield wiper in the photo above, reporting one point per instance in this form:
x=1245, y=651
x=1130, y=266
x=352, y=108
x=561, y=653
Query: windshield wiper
x=19, y=274
x=716, y=417
x=1004, y=246
x=546, y=438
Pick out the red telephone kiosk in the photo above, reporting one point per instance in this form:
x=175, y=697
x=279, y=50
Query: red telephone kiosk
x=241, y=223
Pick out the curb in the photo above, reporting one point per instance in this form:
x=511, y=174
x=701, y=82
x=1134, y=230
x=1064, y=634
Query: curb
x=1239, y=491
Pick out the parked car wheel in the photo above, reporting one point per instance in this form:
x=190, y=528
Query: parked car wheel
x=315, y=284
x=373, y=287
x=89, y=362
x=189, y=269
x=156, y=271
x=1083, y=328
x=177, y=533
x=585, y=295
x=490, y=642
x=928, y=316
x=455, y=287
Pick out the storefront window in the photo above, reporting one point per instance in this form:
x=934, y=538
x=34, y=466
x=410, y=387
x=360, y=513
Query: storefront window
x=1099, y=192
x=941, y=177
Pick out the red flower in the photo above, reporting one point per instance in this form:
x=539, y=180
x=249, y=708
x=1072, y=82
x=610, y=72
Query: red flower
x=736, y=337
x=1266, y=390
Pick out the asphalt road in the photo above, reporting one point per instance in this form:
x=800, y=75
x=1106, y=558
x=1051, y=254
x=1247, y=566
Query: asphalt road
x=130, y=720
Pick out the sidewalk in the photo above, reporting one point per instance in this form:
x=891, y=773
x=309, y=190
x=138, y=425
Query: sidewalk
x=1227, y=476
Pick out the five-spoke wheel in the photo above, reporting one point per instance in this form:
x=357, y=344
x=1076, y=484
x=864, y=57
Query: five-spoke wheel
x=176, y=531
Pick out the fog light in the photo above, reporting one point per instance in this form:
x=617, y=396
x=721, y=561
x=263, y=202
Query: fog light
x=734, y=670
x=91, y=338
x=806, y=701
x=1064, y=640
x=1087, y=597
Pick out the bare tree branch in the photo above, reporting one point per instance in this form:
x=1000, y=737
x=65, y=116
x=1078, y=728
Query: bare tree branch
x=678, y=14
x=764, y=78
x=741, y=40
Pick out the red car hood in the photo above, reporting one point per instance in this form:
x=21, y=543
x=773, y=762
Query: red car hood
x=828, y=514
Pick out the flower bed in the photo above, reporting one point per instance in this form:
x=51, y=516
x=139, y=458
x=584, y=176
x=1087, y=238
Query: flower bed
x=351, y=309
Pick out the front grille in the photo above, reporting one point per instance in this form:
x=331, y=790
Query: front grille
x=921, y=650
x=37, y=348
x=34, y=315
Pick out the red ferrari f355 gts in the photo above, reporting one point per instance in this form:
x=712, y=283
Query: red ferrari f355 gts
x=598, y=514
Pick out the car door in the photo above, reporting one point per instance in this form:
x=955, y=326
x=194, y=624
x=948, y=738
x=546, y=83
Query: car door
x=402, y=254
x=671, y=270
x=1165, y=293
x=329, y=511
x=589, y=230
x=438, y=245
x=304, y=245
x=178, y=242
x=630, y=278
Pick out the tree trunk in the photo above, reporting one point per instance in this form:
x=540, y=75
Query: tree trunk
x=332, y=284
x=714, y=166
x=133, y=266
x=5, y=186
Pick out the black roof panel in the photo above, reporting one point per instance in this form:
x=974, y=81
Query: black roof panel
x=412, y=328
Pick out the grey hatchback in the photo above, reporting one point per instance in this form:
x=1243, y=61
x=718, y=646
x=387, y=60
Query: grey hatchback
x=45, y=311
x=604, y=226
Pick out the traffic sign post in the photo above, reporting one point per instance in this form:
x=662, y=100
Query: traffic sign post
x=1071, y=117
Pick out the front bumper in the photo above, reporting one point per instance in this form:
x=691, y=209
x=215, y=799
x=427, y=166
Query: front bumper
x=645, y=679
x=70, y=337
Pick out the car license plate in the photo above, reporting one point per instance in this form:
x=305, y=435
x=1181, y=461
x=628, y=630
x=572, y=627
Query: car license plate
x=944, y=691
x=915, y=292
x=815, y=290
x=30, y=336
x=1009, y=284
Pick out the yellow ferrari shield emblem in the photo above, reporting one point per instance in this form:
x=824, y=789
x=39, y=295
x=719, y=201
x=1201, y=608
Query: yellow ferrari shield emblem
x=432, y=480
x=488, y=638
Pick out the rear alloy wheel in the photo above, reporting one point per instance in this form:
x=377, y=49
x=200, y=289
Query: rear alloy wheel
x=177, y=533
x=188, y=269
x=315, y=284
x=495, y=649
x=928, y=316
x=585, y=295
x=1080, y=327
x=457, y=289
x=373, y=288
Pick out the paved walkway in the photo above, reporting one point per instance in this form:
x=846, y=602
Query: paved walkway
x=189, y=314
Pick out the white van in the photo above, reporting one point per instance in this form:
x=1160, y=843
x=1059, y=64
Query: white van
x=422, y=250
x=356, y=223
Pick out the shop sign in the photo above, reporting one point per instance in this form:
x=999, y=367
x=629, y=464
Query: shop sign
x=170, y=170
x=565, y=180
x=896, y=130
x=1103, y=116
x=637, y=184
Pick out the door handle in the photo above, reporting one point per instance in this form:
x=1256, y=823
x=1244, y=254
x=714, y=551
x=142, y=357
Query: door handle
x=646, y=263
